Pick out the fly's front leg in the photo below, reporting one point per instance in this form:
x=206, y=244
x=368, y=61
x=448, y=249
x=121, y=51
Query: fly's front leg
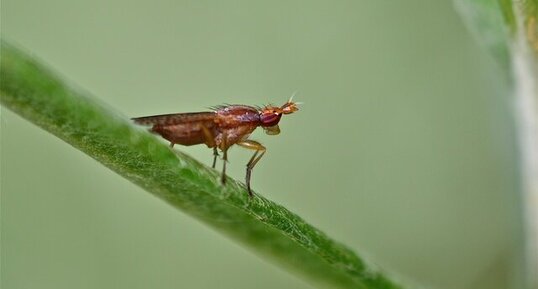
x=260, y=151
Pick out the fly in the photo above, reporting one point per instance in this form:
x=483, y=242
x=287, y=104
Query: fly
x=220, y=129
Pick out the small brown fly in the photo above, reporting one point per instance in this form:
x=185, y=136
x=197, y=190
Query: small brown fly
x=221, y=128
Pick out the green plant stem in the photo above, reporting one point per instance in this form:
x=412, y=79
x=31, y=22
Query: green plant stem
x=509, y=28
x=36, y=94
x=524, y=54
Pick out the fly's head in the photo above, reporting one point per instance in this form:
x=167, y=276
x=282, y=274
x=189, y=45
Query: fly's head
x=270, y=116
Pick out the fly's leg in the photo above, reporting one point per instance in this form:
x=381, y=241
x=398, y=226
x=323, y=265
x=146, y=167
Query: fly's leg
x=260, y=151
x=224, y=160
x=224, y=148
x=210, y=142
x=171, y=145
x=215, y=155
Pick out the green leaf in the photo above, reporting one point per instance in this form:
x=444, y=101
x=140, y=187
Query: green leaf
x=36, y=94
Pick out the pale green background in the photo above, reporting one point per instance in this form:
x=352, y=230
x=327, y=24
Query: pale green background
x=402, y=150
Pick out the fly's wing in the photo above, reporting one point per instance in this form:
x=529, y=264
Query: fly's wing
x=175, y=118
x=183, y=128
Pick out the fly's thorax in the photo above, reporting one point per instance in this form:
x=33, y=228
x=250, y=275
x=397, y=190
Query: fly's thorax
x=227, y=137
x=236, y=115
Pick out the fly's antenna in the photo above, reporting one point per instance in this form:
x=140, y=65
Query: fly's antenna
x=290, y=106
x=291, y=99
x=292, y=96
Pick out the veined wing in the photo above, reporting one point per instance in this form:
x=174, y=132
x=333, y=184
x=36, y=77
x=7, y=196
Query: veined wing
x=175, y=118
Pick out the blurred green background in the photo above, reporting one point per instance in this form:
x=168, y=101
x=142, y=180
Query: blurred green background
x=403, y=149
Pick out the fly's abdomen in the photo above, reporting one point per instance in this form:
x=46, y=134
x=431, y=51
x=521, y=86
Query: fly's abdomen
x=187, y=134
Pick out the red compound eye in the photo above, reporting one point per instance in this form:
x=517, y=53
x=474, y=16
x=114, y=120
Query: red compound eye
x=270, y=118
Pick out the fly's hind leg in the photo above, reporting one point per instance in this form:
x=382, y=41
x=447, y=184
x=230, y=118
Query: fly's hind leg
x=210, y=142
x=260, y=151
